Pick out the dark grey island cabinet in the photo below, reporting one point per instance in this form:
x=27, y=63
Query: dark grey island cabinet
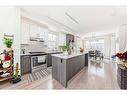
x=25, y=62
x=49, y=58
x=65, y=67
x=122, y=76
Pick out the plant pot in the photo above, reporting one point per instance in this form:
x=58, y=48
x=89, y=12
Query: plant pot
x=16, y=80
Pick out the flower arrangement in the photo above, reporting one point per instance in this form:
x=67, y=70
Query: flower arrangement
x=123, y=58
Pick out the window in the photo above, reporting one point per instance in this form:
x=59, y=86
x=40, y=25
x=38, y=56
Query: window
x=97, y=44
x=52, y=41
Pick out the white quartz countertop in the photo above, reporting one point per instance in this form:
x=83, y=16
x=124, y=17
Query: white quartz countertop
x=54, y=52
x=62, y=56
x=47, y=52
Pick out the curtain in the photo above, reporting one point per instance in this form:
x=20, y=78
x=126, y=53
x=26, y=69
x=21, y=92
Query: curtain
x=107, y=47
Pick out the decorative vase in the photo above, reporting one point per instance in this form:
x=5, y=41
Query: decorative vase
x=69, y=52
x=65, y=53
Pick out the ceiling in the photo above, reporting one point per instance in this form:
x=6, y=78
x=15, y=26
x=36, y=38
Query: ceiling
x=80, y=19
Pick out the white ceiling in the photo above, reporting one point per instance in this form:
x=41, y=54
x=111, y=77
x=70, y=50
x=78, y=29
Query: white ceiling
x=84, y=19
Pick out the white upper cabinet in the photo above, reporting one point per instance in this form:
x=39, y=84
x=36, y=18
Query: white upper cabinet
x=34, y=30
x=30, y=29
x=25, y=32
x=37, y=31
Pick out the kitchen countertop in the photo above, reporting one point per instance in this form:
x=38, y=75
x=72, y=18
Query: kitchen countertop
x=53, y=52
x=62, y=56
x=28, y=54
x=48, y=52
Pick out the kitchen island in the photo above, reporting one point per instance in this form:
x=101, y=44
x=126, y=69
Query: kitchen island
x=64, y=67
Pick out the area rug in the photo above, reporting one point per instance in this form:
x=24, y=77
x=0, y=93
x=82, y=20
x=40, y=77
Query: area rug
x=39, y=74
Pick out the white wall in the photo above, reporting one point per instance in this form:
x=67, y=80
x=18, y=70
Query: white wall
x=6, y=23
x=10, y=24
x=122, y=38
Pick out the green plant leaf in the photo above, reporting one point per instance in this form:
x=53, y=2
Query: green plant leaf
x=8, y=42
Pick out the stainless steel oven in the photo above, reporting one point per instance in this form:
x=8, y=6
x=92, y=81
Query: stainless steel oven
x=38, y=62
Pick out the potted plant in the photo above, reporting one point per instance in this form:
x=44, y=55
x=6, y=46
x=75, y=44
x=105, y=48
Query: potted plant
x=8, y=42
x=66, y=49
x=16, y=77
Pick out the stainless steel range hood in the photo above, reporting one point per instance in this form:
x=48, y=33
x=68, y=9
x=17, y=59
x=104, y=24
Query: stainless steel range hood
x=36, y=39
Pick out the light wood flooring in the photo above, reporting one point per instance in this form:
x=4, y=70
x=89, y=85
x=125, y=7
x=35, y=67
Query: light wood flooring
x=96, y=76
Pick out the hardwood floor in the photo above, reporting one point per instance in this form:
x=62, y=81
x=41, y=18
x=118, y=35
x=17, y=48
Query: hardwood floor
x=96, y=76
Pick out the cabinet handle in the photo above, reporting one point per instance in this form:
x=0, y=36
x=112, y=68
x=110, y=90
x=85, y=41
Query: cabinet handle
x=61, y=60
